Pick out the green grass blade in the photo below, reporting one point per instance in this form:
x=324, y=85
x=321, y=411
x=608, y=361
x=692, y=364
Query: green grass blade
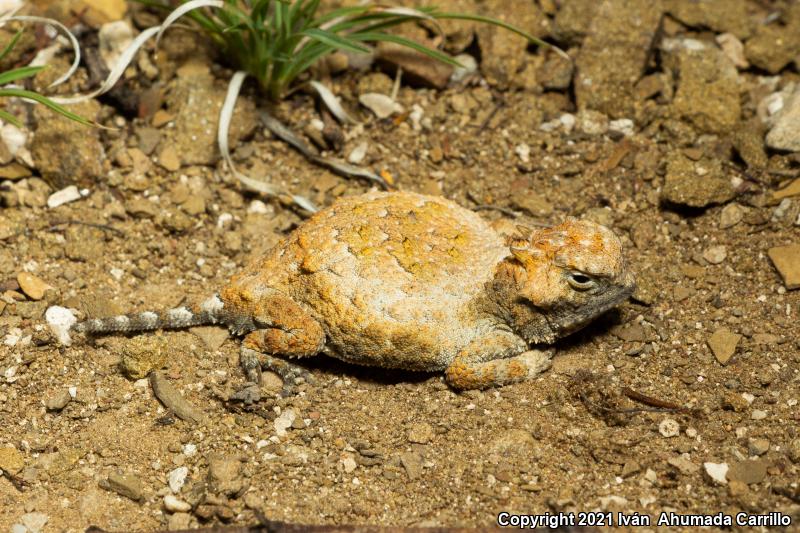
x=18, y=74
x=58, y=108
x=10, y=46
x=408, y=43
x=8, y=117
x=501, y=24
x=334, y=41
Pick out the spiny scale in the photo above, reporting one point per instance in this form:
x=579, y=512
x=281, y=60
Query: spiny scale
x=210, y=312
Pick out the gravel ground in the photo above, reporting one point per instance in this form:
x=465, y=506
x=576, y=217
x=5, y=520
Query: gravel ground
x=677, y=126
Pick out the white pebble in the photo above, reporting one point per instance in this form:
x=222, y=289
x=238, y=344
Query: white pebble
x=177, y=478
x=380, y=104
x=284, y=422
x=349, y=464
x=60, y=319
x=189, y=449
x=224, y=219
x=691, y=433
x=358, y=153
x=174, y=505
x=758, y=414
x=258, y=207
x=717, y=472
x=64, y=196
x=524, y=152
x=669, y=428
x=34, y=521
x=623, y=126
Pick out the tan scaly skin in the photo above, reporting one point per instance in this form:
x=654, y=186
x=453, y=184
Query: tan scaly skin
x=403, y=280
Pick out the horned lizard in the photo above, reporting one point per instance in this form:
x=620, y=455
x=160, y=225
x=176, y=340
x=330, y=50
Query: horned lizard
x=403, y=280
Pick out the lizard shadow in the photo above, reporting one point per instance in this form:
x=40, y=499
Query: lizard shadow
x=373, y=375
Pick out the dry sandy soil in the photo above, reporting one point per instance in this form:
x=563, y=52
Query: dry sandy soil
x=685, y=399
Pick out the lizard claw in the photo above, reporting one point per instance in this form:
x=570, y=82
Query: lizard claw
x=249, y=394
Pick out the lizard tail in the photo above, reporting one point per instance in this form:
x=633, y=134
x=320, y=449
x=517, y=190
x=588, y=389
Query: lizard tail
x=209, y=312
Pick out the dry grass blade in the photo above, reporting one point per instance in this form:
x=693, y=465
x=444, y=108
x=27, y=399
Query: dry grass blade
x=225, y=116
x=73, y=41
x=332, y=102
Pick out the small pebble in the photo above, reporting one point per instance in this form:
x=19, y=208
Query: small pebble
x=33, y=286
x=66, y=195
x=176, y=479
x=723, y=344
x=669, y=428
x=284, y=422
x=175, y=505
x=420, y=433
x=717, y=472
x=358, y=153
x=34, y=522
x=756, y=446
x=731, y=215
x=380, y=104
x=758, y=414
x=58, y=401
x=716, y=254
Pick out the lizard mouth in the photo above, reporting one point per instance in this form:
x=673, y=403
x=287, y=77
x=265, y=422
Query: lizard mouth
x=567, y=324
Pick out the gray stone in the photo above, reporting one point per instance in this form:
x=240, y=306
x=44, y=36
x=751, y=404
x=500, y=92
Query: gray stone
x=785, y=131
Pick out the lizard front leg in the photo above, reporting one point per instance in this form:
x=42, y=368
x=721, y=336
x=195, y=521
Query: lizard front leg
x=497, y=360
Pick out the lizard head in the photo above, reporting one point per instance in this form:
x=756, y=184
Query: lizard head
x=571, y=273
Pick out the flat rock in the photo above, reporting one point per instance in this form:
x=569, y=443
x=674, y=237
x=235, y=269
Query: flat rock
x=212, y=336
x=65, y=152
x=748, y=471
x=129, y=486
x=787, y=260
x=11, y=460
x=504, y=58
x=793, y=189
x=707, y=95
x=776, y=45
x=717, y=15
x=195, y=101
x=621, y=34
x=723, y=344
x=695, y=183
x=57, y=401
x=418, y=69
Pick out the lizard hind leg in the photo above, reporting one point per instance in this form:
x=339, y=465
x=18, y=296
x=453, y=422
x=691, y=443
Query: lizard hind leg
x=288, y=331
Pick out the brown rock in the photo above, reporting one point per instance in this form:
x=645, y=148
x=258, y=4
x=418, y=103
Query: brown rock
x=65, y=152
x=195, y=101
x=723, y=344
x=776, y=45
x=418, y=69
x=708, y=89
x=129, y=486
x=33, y=286
x=169, y=159
x=695, y=183
x=793, y=189
x=11, y=460
x=787, y=260
x=748, y=471
x=504, y=56
x=621, y=34
x=718, y=15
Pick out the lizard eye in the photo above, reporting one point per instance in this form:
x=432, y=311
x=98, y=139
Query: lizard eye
x=580, y=282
